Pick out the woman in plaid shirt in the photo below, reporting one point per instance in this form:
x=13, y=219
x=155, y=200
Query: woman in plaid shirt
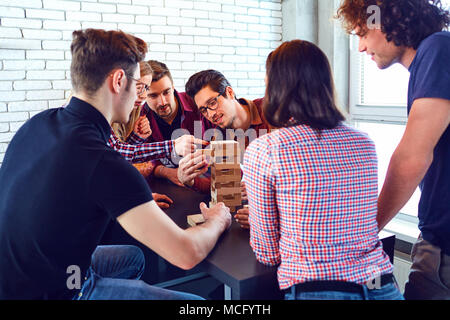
x=312, y=187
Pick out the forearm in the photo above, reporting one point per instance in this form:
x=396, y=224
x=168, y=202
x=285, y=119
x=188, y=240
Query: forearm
x=403, y=176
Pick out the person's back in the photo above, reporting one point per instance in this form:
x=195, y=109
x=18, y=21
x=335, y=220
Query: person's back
x=48, y=183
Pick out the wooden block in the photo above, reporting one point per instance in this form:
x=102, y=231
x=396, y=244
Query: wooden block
x=225, y=191
x=228, y=200
x=229, y=184
x=195, y=219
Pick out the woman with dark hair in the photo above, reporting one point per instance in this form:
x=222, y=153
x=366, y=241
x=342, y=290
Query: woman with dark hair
x=312, y=187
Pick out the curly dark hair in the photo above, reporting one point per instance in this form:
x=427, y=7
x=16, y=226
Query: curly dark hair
x=405, y=22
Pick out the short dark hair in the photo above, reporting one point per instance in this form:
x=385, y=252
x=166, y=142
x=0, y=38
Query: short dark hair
x=212, y=78
x=300, y=87
x=96, y=52
x=159, y=70
x=405, y=22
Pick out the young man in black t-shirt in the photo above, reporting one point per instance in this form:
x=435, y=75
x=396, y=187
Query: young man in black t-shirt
x=60, y=185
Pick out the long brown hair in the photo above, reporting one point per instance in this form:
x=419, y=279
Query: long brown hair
x=300, y=88
x=123, y=131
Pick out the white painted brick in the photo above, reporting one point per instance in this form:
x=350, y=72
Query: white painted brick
x=177, y=21
x=221, y=16
x=44, y=14
x=235, y=58
x=12, y=12
x=222, y=50
x=237, y=75
x=277, y=14
x=264, y=52
x=23, y=3
x=42, y=34
x=194, y=14
x=180, y=56
x=259, y=12
x=270, y=5
x=116, y=1
x=2, y=107
x=223, y=66
x=166, y=29
x=13, y=116
x=152, y=20
x=83, y=16
x=161, y=11
x=270, y=36
x=2, y=156
x=200, y=5
x=99, y=25
x=24, y=65
x=194, y=49
x=32, y=85
x=246, y=18
x=46, y=75
x=195, y=31
x=248, y=51
x=45, y=54
x=118, y=17
x=62, y=5
x=15, y=126
x=153, y=55
x=62, y=25
x=195, y=65
x=151, y=3
x=132, y=9
x=257, y=59
x=260, y=27
x=278, y=29
x=57, y=103
x=270, y=21
x=249, y=3
x=180, y=4
x=20, y=44
x=235, y=25
x=164, y=47
x=22, y=23
x=5, y=85
x=10, y=33
x=209, y=23
x=133, y=28
x=234, y=42
x=223, y=1
x=4, y=127
x=204, y=57
x=179, y=39
x=58, y=65
x=7, y=136
x=12, y=75
x=207, y=40
x=234, y=9
x=224, y=33
x=12, y=95
x=151, y=38
x=56, y=45
x=27, y=105
x=45, y=95
x=258, y=43
x=98, y=7
x=62, y=84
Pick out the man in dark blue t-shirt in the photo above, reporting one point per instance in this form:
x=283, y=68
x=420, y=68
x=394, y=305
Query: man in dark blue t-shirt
x=423, y=155
x=60, y=185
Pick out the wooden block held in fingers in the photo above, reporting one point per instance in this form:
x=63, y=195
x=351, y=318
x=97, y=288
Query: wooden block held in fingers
x=195, y=219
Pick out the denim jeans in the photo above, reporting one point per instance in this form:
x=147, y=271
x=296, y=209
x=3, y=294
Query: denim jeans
x=387, y=292
x=114, y=275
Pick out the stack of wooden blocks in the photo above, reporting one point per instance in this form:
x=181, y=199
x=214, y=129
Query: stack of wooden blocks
x=225, y=173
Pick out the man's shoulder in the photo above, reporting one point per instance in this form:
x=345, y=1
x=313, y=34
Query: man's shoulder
x=436, y=40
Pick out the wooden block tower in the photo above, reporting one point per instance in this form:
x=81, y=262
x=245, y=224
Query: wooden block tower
x=225, y=173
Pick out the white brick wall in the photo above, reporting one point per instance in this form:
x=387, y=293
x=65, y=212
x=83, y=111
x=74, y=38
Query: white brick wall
x=232, y=36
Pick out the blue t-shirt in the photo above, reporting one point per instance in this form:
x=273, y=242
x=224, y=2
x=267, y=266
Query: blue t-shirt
x=60, y=186
x=430, y=78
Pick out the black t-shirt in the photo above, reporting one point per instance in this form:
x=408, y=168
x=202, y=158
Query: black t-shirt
x=60, y=186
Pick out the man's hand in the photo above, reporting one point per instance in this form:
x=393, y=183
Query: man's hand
x=185, y=145
x=162, y=200
x=142, y=127
x=241, y=217
x=191, y=166
x=168, y=173
x=219, y=212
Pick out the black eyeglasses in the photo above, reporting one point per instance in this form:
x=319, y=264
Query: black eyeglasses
x=212, y=105
x=140, y=86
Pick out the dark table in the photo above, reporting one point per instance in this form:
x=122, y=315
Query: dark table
x=232, y=261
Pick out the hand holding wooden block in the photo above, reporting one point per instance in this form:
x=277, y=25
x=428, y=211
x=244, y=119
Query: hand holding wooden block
x=195, y=219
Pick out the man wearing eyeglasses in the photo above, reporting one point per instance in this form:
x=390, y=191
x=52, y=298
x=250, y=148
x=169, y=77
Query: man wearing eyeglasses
x=217, y=103
x=167, y=111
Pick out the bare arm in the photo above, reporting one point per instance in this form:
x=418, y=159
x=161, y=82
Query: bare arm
x=428, y=119
x=183, y=248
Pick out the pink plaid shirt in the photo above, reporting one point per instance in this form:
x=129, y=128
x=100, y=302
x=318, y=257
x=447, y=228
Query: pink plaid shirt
x=313, y=205
x=141, y=152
